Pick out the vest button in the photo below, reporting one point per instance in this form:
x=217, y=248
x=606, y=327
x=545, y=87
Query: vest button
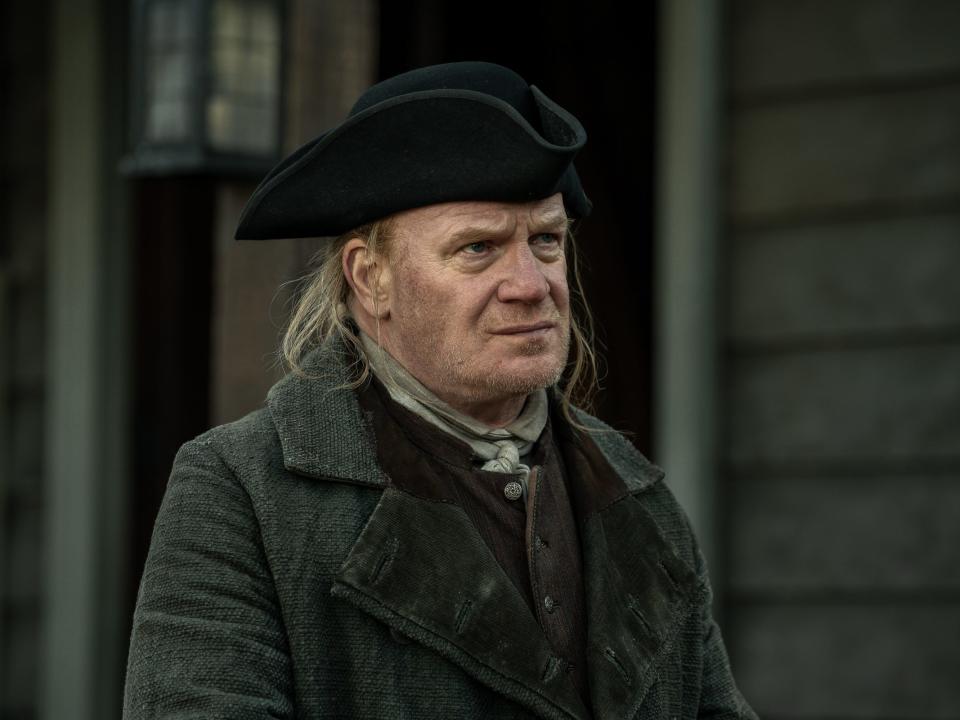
x=549, y=604
x=512, y=490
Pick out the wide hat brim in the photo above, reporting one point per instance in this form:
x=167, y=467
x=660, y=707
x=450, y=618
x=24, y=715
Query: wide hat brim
x=419, y=149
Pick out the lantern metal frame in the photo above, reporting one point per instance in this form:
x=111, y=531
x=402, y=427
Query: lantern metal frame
x=194, y=155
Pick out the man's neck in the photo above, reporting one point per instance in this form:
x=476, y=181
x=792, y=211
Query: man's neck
x=495, y=413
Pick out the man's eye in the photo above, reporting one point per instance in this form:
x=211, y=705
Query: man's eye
x=474, y=248
x=547, y=238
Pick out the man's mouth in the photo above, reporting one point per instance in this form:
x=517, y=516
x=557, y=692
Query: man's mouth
x=526, y=328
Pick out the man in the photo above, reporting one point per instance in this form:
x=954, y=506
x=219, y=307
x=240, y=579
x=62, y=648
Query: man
x=420, y=524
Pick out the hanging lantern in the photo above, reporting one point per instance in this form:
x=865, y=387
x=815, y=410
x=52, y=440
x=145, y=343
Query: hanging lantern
x=207, y=87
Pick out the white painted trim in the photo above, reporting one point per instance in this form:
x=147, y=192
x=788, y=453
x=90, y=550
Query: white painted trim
x=688, y=226
x=86, y=424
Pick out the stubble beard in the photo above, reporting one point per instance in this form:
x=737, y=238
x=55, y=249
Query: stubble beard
x=455, y=375
x=474, y=385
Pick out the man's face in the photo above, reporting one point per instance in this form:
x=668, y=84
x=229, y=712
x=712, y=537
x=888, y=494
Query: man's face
x=478, y=299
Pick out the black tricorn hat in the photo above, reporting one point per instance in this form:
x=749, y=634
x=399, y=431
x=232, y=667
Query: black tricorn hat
x=459, y=131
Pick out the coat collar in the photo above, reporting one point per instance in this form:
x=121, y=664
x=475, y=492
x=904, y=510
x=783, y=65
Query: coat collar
x=323, y=433
x=638, y=589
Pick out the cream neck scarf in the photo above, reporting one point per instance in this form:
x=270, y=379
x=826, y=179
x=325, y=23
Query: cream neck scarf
x=501, y=448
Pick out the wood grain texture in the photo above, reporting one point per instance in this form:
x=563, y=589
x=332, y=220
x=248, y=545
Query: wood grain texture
x=831, y=155
x=862, y=661
x=871, y=277
x=876, y=406
x=798, y=44
x=894, y=535
x=20, y=679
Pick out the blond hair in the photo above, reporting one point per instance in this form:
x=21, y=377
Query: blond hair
x=320, y=313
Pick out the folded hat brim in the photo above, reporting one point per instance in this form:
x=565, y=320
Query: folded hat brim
x=413, y=150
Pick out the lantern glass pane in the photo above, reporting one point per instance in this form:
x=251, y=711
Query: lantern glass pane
x=171, y=41
x=243, y=107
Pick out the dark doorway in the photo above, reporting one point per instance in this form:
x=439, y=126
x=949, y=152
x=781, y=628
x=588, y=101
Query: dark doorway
x=597, y=60
x=173, y=224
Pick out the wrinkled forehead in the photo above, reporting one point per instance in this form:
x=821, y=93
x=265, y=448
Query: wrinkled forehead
x=494, y=217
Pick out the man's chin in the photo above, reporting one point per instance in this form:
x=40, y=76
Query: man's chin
x=526, y=375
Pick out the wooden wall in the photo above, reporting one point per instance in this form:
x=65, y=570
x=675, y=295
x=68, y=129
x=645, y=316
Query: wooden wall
x=842, y=356
x=331, y=59
x=24, y=68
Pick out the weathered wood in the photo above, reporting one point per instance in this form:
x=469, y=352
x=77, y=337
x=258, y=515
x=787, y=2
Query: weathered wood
x=27, y=299
x=251, y=305
x=877, y=276
x=795, y=44
x=870, y=405
x=850, y=661
x=896, y=535
x=831, y=155
x=27, y=441
x=843, y=376
x=24, y=546
x=25, y=213
x=21, y=662
x=330, y=62
x=24, y=161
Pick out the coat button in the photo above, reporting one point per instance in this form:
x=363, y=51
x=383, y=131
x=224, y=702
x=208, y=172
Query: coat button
x=512, y=490
x=549, y=604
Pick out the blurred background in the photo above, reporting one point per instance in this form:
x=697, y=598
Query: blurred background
x=773, y=262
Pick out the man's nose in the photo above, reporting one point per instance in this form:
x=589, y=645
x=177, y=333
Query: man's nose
x=524, y=279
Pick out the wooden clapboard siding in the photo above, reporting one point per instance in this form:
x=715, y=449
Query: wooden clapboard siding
x=841, y=357
x=839, y=154
x=789, y=46
x=876, y=277
x=888, y=405
x=882, y=661
x=898, y=538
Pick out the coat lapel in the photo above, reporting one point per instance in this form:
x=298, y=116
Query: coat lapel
x=639, y=591
x=322, y=431
x=422, y=568
x=419, y=566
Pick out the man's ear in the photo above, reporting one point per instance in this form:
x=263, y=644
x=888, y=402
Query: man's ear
x=368, y=276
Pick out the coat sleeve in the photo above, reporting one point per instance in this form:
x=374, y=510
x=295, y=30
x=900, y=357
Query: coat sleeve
x=720, y=699
x=208, y=640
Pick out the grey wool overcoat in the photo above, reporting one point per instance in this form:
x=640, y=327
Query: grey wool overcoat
x=287, y=578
